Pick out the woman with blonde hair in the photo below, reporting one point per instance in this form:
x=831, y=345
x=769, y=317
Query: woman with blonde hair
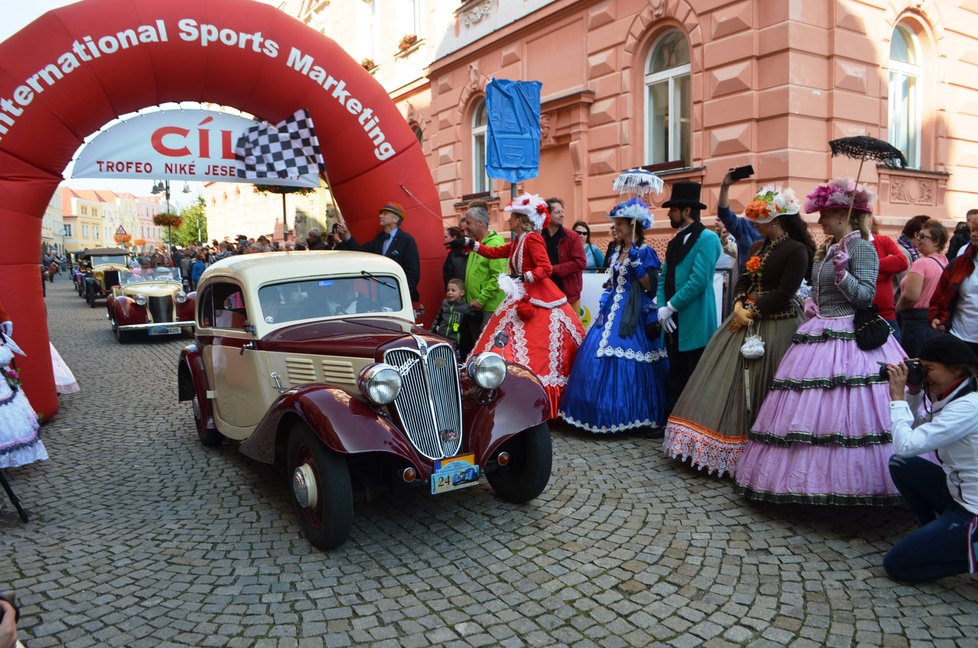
x=534, y=322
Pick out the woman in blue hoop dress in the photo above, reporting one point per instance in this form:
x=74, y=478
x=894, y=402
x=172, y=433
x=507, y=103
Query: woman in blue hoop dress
x=618, y=382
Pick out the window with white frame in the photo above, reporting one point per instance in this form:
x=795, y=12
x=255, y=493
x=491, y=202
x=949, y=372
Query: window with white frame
x=414, y=9
x=84, y=231
x=667, y=100
x=905, y=94
x=480, y=124
x=68, y=229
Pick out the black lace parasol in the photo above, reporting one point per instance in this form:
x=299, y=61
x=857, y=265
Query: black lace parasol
x=864, y=147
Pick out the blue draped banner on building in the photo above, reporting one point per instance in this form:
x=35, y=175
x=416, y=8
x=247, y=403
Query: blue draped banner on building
x=513, y=134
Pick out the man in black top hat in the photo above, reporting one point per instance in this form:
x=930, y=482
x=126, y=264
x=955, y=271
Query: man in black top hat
x=686, y=299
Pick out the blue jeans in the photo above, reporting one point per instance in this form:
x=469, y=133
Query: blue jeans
x=939, y=547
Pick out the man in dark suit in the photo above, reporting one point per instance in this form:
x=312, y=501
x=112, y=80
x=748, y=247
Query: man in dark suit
x=392, y=242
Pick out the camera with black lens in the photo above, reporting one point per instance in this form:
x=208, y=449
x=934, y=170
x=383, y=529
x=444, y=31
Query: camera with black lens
x=915, y=372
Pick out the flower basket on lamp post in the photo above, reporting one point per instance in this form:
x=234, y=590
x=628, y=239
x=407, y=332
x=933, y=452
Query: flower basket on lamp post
x=368, y=64
x=167, y=220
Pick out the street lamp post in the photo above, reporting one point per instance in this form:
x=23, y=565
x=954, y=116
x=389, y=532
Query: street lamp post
x=164, y=187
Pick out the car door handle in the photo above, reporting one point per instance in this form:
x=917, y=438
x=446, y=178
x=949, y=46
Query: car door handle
x=247, y=345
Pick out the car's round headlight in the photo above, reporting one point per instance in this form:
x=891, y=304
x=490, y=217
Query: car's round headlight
x=180, y=297
x=140, y=299
x=380, y=383
x=487, y=370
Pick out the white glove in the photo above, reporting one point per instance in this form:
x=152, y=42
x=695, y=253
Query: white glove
x=7, y=328
x=668, y=325
x=666, y=312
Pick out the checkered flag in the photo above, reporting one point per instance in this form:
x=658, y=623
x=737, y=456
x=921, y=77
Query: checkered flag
x=287, y=150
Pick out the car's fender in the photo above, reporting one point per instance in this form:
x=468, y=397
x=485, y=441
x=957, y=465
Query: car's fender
x=125, y=311
x=345, y=425
x=192, y=381
x=494, y=416
x=186, y=310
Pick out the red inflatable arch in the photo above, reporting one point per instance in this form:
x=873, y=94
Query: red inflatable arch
x=78, y=67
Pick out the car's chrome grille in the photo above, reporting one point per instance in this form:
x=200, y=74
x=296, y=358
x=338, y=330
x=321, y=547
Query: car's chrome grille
x=429, y=404
x=300, y=371
x=160, y=309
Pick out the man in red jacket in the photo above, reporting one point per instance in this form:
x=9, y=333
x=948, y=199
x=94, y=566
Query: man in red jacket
x=566, y=252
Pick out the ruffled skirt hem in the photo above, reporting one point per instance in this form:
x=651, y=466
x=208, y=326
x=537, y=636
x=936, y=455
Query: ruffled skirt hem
x=704, y=449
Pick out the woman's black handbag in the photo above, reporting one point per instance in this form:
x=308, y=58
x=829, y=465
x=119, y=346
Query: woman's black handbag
x=871, y=329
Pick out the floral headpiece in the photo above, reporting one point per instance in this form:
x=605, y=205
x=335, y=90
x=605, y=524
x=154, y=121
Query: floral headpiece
x=533, y=207
x=838, y=194
x=634, y=209
x=770, y=202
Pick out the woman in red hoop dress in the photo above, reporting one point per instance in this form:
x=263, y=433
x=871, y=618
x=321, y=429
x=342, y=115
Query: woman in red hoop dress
x=540, y=329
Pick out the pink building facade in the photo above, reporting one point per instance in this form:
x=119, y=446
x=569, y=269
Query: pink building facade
x=690, y=88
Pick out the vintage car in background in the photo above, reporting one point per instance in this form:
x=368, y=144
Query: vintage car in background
x=100, y=272
x=150, y=301
x=314, y=360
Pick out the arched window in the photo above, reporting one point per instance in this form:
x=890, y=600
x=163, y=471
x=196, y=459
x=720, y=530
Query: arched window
x=667, y=100
x=905, y=94
x=480, y=124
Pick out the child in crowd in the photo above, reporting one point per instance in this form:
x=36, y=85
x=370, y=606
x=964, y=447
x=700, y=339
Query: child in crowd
x=453, y=310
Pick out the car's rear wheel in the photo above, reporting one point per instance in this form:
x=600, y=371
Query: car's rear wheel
x=528, y=470
x=321, y=489
x=208, y=436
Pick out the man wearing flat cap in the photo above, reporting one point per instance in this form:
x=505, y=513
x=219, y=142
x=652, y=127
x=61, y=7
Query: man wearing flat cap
x=392, y=242
x=686, y=299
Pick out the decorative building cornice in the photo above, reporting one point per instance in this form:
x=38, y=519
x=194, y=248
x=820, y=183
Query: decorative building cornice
x=473, y=12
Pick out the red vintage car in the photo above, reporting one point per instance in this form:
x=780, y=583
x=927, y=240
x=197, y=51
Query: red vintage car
x=314, y=360
x=151, y=302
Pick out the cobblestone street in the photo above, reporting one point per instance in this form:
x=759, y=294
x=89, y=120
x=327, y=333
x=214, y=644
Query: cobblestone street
x=141, y=537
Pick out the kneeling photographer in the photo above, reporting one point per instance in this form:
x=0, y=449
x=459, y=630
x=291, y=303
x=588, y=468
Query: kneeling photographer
x=943, y=495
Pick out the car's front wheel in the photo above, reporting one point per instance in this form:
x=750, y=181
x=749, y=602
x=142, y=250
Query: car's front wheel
x=121, y=335
x=321, y=489
x=208, y=436
x=528, y=471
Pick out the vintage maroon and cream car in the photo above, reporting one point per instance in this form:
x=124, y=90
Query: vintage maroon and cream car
x=314, y=360
x=150, y=301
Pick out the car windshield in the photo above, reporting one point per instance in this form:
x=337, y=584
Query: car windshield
x=100, y=259
x=137, y=275
x=335, y=296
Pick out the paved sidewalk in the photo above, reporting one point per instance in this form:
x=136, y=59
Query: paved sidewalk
x=141, y=537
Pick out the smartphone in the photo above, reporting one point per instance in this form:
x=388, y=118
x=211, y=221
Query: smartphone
x=742, y=172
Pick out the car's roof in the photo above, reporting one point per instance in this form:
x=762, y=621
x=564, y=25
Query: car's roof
x=272, y=267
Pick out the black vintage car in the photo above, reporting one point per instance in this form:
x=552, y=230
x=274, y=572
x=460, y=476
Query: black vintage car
x=100, y=272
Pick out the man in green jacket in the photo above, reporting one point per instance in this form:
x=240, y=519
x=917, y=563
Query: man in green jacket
x=482, y=274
